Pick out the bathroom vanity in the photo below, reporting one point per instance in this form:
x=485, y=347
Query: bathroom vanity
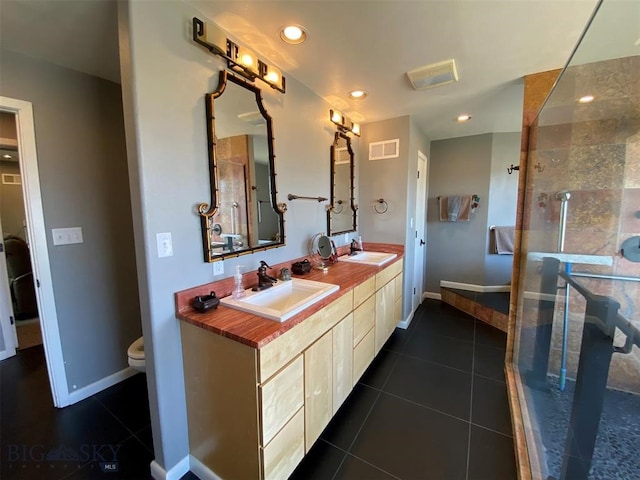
x=260, y=392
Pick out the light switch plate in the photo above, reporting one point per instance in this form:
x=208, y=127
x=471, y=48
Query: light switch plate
x=165, y=246
x=67, y=236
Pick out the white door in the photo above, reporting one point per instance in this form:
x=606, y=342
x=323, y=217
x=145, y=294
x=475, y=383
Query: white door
x=8, y=342
x=420, y=233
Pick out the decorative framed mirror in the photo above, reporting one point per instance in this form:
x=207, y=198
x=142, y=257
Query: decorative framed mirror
x=242, y=215
x=342, y=211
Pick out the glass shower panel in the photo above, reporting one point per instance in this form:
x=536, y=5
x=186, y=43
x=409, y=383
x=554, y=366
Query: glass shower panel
x=577, y=354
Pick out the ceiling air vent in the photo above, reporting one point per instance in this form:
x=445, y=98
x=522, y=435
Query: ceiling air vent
x=433, y=75
x=386, y=149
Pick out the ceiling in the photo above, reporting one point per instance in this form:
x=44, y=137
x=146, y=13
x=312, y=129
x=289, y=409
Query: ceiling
x=353, y=44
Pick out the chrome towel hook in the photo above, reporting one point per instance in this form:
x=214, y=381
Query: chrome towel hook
x=512, y=168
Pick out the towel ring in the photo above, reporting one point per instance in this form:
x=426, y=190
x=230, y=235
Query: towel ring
x=384, y=206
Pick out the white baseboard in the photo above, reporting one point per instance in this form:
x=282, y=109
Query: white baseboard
x=175, y=473
x=201, y=470
x=404, y=324
x=95, y=387
x=431, y=295
x=475, y=288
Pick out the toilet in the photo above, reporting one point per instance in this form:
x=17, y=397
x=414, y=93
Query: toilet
x=136, y=355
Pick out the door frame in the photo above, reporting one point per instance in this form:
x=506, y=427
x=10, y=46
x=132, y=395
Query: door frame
x=37, y=236
x=416, y=299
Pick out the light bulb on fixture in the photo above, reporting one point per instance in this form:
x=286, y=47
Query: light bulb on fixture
x=247, y=59
x=336, y=117
x=463, y=118
x=586, y=99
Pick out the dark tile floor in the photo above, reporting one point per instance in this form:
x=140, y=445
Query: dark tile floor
x=433, y=405
x=83, y=441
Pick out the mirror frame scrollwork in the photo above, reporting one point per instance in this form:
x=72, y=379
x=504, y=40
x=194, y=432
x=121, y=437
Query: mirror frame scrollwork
x=335, y=205
x=206, y=211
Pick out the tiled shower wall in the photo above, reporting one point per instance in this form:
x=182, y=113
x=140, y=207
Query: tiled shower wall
x=592, y=151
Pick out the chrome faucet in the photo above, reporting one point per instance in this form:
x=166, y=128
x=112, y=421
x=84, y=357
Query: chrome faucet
x=264, y=280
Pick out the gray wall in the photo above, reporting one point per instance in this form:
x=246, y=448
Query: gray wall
x=459, y=251
x=395, y=181
x=83, y=178
x=167, y=150
x=11, y=203
x=503, y=197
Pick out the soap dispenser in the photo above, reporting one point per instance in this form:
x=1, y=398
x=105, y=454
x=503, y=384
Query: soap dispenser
x=238, y=289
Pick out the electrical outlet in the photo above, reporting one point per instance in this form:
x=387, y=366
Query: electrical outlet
x=218, y=268
x=164, y=244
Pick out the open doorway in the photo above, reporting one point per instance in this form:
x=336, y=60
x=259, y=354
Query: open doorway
x=25, y=273
x=18, y=275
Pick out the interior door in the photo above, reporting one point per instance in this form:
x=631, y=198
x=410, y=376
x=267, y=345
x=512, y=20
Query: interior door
x=420, y=233
x=8, y=339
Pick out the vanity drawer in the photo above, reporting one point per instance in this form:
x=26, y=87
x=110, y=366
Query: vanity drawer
x=281, y=397
x=364, y=319
x=363, y=291
x=363, y=355
x=387, y=274
x=273, y=356
x=286, y=450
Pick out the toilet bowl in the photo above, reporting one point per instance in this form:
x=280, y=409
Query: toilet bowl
x=136, y=355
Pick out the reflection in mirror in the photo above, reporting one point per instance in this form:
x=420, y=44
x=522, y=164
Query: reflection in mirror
x=242, y=215
x=341, y=213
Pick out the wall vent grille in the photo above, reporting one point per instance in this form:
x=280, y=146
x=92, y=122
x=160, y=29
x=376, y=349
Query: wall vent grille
x=11, y=179
x=384, y=150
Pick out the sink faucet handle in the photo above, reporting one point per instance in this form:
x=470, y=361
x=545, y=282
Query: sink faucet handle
x=264, y=264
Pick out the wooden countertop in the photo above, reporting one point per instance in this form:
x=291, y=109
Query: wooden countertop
x=256, y=331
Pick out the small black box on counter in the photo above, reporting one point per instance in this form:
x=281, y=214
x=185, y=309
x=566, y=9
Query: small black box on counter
x=202, y=303
x=300, y=268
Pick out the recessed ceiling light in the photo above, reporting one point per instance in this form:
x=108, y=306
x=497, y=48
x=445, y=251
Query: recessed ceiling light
x=293, y=34
x=358, y=94
x=586, y=99
x=463, y=118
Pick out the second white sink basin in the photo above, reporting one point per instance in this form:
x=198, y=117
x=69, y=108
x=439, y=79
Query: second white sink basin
x=369, y=258
x=282, y=301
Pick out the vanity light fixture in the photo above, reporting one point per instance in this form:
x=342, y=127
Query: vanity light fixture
x=586, y=99
x=240, y=59
x=465, y=117
x=344, y=123
x=358, y=94
x=294, y=34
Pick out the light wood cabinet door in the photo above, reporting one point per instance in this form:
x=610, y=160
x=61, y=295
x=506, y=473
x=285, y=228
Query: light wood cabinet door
x=342, y=361
x=363, y=355
x=281, y=397
x=384, y=313
x=318, y=387
x=364, y=318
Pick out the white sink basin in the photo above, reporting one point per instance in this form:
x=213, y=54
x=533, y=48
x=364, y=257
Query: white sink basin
x=369, y=258
x=283, y=300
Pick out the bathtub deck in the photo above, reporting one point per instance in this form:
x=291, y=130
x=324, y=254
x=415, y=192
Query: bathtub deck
x=491, y=308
